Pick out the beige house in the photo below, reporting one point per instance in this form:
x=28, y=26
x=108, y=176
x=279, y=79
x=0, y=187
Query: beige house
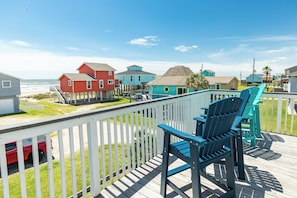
x=222, y=82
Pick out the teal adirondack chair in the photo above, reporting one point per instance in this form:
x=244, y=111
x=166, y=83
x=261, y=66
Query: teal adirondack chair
x=200, y=151
x=251, y=124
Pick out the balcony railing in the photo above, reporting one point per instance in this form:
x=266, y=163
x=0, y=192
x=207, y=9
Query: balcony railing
x=94, y=149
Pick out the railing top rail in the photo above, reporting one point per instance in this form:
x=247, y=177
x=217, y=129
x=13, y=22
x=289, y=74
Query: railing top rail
x=71, y=116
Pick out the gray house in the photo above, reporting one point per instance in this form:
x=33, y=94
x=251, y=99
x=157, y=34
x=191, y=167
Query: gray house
x=292, y=82
x=10, y=89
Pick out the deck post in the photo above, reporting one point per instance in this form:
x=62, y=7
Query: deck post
x=93, y=157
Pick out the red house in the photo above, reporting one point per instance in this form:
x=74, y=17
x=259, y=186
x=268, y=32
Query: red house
x=94, y=81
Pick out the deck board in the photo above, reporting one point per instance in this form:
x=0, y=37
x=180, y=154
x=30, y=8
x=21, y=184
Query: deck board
x=270, y=168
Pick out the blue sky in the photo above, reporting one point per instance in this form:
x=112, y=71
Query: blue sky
x=43, y=39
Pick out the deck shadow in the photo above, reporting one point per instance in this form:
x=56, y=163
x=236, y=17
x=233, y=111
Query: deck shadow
x=263, y=147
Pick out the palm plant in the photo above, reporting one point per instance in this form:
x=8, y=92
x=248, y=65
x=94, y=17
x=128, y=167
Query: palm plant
x=266, y=71
x=197, y=81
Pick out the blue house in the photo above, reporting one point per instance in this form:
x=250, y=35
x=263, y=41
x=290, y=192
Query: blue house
x=134, y=77
x=254, y=79
x=173, y=82
x=10, y=90
x=208, y=73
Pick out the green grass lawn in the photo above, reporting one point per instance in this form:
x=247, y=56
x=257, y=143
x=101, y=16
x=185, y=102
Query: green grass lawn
x=14, y=179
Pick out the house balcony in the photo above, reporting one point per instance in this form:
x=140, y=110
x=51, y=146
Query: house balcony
x=115, y=152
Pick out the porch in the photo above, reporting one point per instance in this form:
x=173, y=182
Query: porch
x=121, y=146
x=270, y=172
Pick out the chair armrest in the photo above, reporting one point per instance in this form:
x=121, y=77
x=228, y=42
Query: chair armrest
x=197, y=140
x=200, y=119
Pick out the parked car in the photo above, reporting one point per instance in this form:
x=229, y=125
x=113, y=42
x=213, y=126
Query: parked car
x=11, y=150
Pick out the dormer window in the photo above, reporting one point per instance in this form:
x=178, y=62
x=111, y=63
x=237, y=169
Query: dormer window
x=110, y=73
x=6, y=84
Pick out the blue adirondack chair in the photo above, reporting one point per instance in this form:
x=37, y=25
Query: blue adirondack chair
x=200, y=151
x=247, y=95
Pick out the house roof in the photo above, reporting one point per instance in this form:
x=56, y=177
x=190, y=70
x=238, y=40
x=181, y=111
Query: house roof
x=98, y=66
x=169, y=80
x=134, y=66
x=9, y=76
x=292, y=71
x=179, y=70
x=78, y=77
x=133, y=72
x=219, y=79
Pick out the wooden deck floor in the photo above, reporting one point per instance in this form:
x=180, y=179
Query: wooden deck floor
x=270, y=168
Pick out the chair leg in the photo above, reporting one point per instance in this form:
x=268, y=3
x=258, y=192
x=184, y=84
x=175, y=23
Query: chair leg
x=239, y=157
x=165, y=164
x=252, y=131
x=258, y=122
x=195, y=171
x=230, y=176
x=230, y=172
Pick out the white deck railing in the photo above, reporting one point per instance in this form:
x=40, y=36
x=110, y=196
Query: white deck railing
x=96, y=148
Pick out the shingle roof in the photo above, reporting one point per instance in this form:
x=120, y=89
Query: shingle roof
x=78, y=77
x=179, y=70
x=169, y=80
x=219, y=79
x=99, y=66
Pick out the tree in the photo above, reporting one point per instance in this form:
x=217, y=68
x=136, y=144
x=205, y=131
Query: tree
x=197, y=81
x=266, y=71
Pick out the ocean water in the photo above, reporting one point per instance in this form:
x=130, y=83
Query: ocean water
x=35, y=86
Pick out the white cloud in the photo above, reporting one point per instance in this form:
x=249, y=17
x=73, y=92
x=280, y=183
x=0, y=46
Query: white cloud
x=73, y=48
x=183, y=48
x=145, y=41
x=20, y=43
x=220, y=53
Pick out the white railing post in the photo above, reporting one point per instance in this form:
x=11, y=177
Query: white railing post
x=279, y=114
x=160, y=134
x=93, y=157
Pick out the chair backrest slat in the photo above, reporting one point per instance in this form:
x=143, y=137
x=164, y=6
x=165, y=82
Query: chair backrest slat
x=219, y=120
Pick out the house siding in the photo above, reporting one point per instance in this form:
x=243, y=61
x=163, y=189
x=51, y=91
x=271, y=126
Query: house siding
x=9, y=100
x=84, y=69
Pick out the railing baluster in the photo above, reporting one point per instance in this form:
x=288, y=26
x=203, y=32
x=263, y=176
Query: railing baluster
x=110, y=157
x=93, y=157
x=62, y=164
x=116, y=152
x=82, y=160
x=21, y=167
x=128, y=141
x=132, y=140
x=36, y=166
x=103, y=170
x=4, y=172
x=72, y=161
x=141, y=114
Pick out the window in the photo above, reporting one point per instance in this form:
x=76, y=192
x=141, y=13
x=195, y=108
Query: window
x=110, y=73
x=6, y=84
x=101, y=84
x=89, y=84
x=110, y=82
x=139, y=78
x=69, y=83
x=166, y=89
x=131, y=78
